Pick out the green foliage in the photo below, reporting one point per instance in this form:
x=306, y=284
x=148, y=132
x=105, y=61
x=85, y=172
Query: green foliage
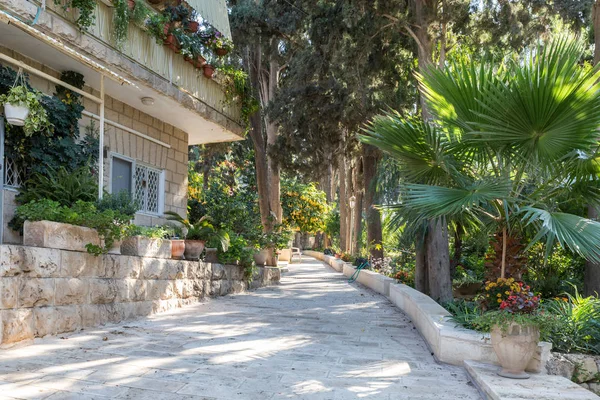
x=304, y=206
x=238, y=252
x=120, y=21
x=202, y=230
x=237, y=89
x=575, y=326
x=511, y=148
x=86, y=11
x=37, y=120
x=65, y=147
x=156, y=27
x=503, y=319
x=65, y=187
x=121, y=202
x=140, y=13
x=332, y=225
x=466, y=314
x=278, y=239
x=152, y=232
x=109, y=224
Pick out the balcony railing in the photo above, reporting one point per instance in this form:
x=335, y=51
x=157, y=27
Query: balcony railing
x=143, y=49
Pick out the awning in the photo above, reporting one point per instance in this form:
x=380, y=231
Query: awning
x=214, y=12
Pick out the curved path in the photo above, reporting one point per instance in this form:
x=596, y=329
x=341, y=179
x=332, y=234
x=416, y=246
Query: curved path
x=313, y=337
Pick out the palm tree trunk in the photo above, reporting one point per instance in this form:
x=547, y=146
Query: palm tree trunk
x=421, y=278
x=438, y=262
x=374, y=229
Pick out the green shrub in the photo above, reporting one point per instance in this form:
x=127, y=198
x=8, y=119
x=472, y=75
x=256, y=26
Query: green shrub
x=121, y=202
x=60, y=185
x=575, y=324
x=152, y=232
x=109, y=224
x=466, y=314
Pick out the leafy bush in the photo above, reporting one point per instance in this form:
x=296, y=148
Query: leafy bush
x=575, y=326
x=202, y=230
x=60, y=185
x=109, y=224
x=152, y=232
x=466, y=314
x=121, y=202
x=304, y=206
x=238, y=251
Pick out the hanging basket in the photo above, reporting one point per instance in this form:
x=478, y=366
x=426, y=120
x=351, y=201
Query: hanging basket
x=209, y=70
x=16, y=114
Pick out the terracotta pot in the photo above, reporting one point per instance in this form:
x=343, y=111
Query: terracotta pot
x=177, y=249
x=193, y=249
x=166, y=29
x=222, y=52
x=211, y=255
x=199, y=62
x=193, y=26
x=131, y=4
x=209, y=70
x=515, y=348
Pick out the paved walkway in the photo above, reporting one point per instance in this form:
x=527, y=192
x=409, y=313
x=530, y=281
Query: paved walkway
x=313, y=337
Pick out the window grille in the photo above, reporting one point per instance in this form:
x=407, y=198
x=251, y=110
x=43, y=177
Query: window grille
x=13, y=175
x=147, y=188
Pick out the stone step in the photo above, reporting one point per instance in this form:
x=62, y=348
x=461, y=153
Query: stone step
x=538, y=386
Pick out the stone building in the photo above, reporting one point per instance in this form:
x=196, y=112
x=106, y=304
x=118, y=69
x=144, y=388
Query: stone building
x=155, y=104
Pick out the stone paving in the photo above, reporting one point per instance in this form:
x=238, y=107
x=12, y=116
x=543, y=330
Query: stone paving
x=313, y=337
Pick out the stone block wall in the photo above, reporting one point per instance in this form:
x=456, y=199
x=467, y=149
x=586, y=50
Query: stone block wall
x=583, y=369
x=49, y=291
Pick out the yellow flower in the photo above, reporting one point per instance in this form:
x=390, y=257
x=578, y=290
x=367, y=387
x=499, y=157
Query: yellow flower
x=507, y=292
x=499, y=295
x=499, y=300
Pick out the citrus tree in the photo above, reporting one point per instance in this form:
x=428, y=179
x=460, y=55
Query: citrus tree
x=304, y=206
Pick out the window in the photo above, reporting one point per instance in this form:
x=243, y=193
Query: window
x=146, y=184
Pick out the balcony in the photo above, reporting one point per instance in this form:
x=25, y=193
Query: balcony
x=140, y=61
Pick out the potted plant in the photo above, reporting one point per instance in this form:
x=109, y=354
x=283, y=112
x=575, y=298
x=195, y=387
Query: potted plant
x=177, y=244
x=267, y=244
x=158, y=27
x=198, y=234
x=23, y=108
x=191, y=23
x=514, y=318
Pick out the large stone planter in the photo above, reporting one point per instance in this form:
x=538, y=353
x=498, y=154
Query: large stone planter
x=142, y=246
x=285, y=254
x=515, y=347
x=56, y=235
x=193, y=249
x=260, y=258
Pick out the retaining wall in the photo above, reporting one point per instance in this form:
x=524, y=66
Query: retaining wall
x=47, y=291
x=449, y=343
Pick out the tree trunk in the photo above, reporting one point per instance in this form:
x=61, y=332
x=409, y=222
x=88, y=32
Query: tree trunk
x=357, y=231
x=438, y=263
x=591, y=284
x=343, y=203
x=374, y=230
x=274, y=170
x=458, y=244
x=421, y=273
x=596, y=23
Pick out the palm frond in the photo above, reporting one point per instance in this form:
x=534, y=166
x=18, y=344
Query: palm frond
x=421, y=148
x=436, y=201
x=580, y=235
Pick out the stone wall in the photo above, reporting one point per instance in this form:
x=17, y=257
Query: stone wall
x=583, y=369
x=49, y=291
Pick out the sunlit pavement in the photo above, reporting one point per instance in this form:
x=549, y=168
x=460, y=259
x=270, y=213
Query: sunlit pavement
x=313, y=337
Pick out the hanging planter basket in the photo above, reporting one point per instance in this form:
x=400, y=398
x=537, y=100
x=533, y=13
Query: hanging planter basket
x=221, y=52
x=16, y=114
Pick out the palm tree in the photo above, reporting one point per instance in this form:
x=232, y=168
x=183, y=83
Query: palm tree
x=512, y=147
